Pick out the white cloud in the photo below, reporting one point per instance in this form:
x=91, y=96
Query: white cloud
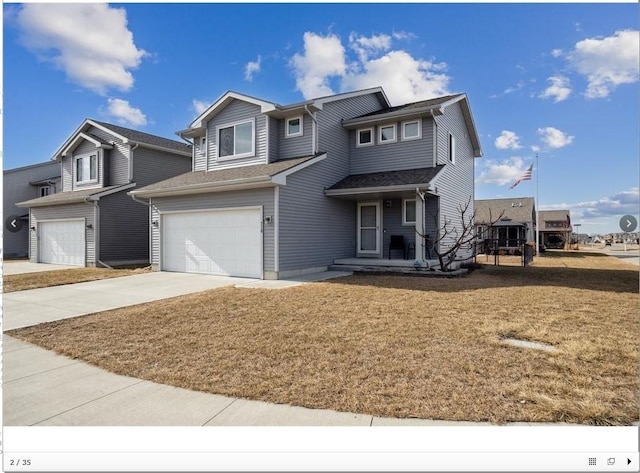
x=508, y=140
x=90, y=42
x=199, y=106
x=323, y=58
x=559, y=89
x=251, y=68
x=616, y=205
x=125, y=113
x=607, y=62
x=535, y=148
x=374, y=63
x=554, y=138
x=556, y=52
x=502, y=172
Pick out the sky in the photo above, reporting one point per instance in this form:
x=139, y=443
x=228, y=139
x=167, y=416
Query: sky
x=556, y=81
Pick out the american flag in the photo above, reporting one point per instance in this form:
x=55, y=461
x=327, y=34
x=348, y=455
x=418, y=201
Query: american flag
x=525, y=177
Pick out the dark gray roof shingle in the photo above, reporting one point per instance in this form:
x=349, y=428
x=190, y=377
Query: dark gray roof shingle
x=413, y=105
x=388, y=178
x=518, y=209
x=66, y=197
x=141, y=137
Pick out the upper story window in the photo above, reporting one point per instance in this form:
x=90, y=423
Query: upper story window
x=412, y=130
x=452, y=148
x=387, y=134
x=86, y=168
x=409, y=212
x=364, y=137
x=236, y=140
x=294, y=127
x=44, y=191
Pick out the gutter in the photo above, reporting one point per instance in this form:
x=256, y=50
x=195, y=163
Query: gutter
x=203, y=185
x=314, y=132
x=131, y=150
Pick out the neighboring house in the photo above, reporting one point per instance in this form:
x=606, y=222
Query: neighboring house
x=511, y=222
x=278, y=191
x=92, y=221
x=28, y=182
x=555, y=229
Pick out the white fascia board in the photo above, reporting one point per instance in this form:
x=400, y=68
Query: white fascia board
x=265, y=106
x=281, y=177
x=204, y=187
x=108, y=130
x=355, y=93
x=84, y=136
x=161, y=148
x=58, y=154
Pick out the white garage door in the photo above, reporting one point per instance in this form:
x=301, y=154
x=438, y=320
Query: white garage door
x=227, y=242
x=61, y=242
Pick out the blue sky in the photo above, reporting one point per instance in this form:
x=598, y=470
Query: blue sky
x=559, y=80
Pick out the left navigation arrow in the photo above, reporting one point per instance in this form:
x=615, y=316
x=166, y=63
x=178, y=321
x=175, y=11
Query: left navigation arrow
x=13, y=223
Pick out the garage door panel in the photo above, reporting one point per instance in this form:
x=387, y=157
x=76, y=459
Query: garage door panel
x=62, y=242
x=225, y=242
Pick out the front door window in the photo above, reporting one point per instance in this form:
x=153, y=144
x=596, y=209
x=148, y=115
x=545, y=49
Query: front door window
x=368, y=228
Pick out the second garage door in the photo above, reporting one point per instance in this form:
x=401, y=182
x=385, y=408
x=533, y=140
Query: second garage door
x=61, y=242
x=227, y=242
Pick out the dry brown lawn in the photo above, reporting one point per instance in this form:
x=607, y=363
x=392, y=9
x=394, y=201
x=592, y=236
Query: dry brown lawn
x=393, y=345
x=21, y=282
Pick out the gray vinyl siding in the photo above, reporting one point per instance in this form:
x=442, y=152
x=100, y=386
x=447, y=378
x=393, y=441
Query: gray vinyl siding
x=392, y=225
x=455, y=183
x=235, y=112
x=403, y=154
x=61, y=212
x=151, y=165
x=16, y=188
x=296, y=146
x=315, y=229
x=117, y=162
x=219, y=200
x=199, y=155
x=124, y=229
x=274, y=142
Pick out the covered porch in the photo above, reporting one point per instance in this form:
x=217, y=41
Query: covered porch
x=396, y=216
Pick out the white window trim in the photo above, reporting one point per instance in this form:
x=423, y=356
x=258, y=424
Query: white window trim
x=409, y=138
x=75, y=168
x=359, y=144
x=286, y=130
x=452, y=149
x=404, y=212
x=241, y=155
x=395, y=134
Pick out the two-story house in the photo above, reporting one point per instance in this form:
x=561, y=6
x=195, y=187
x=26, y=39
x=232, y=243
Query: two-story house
x=92, y=221
x=19, y=184
x=279, y=191
x=555, y=229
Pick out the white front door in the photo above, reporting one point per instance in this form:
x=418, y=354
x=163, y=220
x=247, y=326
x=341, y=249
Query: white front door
x=368, y=228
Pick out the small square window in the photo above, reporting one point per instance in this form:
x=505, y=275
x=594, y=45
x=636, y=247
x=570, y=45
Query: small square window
x=409, y=212
x=411, y=130
x=387, y=134
x=294, y=127
x=364, y=137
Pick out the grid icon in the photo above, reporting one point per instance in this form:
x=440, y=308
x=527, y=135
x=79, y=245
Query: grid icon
x=592, y=461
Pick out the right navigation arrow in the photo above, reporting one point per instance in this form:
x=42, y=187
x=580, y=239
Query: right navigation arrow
x=628, y=461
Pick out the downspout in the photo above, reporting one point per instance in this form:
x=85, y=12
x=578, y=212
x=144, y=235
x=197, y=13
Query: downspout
x=131, y=150
x=314, y=133
x=435, y=140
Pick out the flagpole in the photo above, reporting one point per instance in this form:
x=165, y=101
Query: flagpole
x=537, y=207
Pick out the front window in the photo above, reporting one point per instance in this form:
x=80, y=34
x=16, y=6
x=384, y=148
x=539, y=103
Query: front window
x=409, y=212
x=387, y=134
x=364, y=137
x=411, y=130
x=452, y=148
x=87, y=168
x=44, y=191
x=236, y=141
x=294, y=127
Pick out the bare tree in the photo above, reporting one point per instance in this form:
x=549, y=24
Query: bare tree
x=451, y=238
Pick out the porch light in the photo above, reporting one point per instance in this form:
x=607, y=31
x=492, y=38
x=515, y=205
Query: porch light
x=89, y=226
x=154, y=223
x=33, y=229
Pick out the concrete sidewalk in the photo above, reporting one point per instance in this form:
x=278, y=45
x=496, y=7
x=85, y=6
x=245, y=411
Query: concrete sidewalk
x=35, y=306
x=43, y=388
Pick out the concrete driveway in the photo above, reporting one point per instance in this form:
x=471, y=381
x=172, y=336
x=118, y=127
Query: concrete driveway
x=35, y=306
x=10, y=267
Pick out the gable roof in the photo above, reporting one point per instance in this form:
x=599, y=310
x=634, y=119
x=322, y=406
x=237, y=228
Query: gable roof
x=126, y=135
x=241, y=177
x=71, y=197
x=519, y=209
x=433, y=107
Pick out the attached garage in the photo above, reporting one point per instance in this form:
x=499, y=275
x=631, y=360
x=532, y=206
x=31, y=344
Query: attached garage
x=222, y=241
x=62, y=242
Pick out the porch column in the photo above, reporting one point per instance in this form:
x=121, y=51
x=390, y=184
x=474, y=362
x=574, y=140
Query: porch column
x=420, y=228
